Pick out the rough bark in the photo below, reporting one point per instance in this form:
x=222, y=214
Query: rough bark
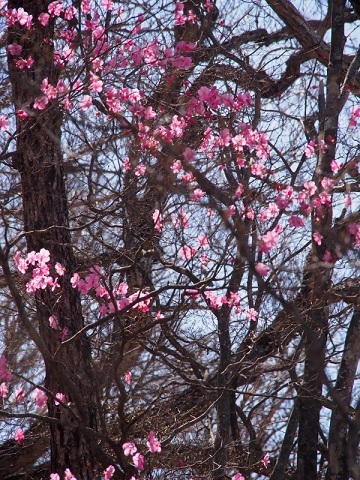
x=339, y=427
x=38, y=159
x=318, y=276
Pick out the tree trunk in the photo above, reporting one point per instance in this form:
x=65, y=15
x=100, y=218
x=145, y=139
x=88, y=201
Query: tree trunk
x=38, y=159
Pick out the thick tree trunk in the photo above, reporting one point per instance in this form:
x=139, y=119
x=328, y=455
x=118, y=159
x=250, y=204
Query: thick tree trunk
x=318, y=277
x=38, y=159
x=339, y=461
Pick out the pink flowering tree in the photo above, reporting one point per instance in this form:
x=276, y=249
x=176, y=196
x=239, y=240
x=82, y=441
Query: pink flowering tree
x=179, y=249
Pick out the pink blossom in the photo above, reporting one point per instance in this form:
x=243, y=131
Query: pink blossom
x=54, y=476
x=204, y=259
x=109, y=472
x=32, y=258
x=44, y=19
x=233, y=300
x=20, y=262
x=19, y=394
x=69, y=13
x=252, y=314
x=295, y=221
x=86, y=102
x=198, y=193
x=203, y=241
x=231, y=211
x=67, y=103
x=40, y=397
x=140, y=170
x=157, y=217
x=335, y=167
x=176, y=167
x=317, y=238
x=310, y=149
x=327, y=183
x=22, y=114
x=109, y=5
x=86, y=6
x=41, y=102
x=244, y=99
x=19, y=436
x=128, y=378
x=98, y=32
x=15, y=49
x=75, y=280
x=153, y=443
x=187, y=252
x=262, y=269
x=96, y=85
x=189, y=154
x=265, y=460
x=268, y=241
x=60, y=270
x=214, y=301
x=257, y=169
x=239, y=191
x=4, y=391
x=69, y=475
x=64, y=333
x=122, y=289
x=54, y=322
x=21, y=64
x=41, y=257
x=237, y=476
x=138, y=461
x=24, y=18
x=354, y=116
x=55, y=8
x=149, y=113
x=310, y=188
x=177, y=126
x=129, y=448
x=61, y=397
x=182, y=220
x=224, y=137
x=181, y=62
x=4, y=124
x=271, y=211
x=354, y=229
x=127, y=164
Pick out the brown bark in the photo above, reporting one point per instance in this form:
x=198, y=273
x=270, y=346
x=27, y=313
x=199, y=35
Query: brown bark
x=38, y=159
x=318, y=277
x=339, y=427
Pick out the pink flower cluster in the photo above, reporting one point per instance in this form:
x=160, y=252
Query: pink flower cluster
x=39, y=263
x=94, y=281
x=216, y=302
x=138, y=459
x=19, y=436
x=355, y=115
x=19, y=16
